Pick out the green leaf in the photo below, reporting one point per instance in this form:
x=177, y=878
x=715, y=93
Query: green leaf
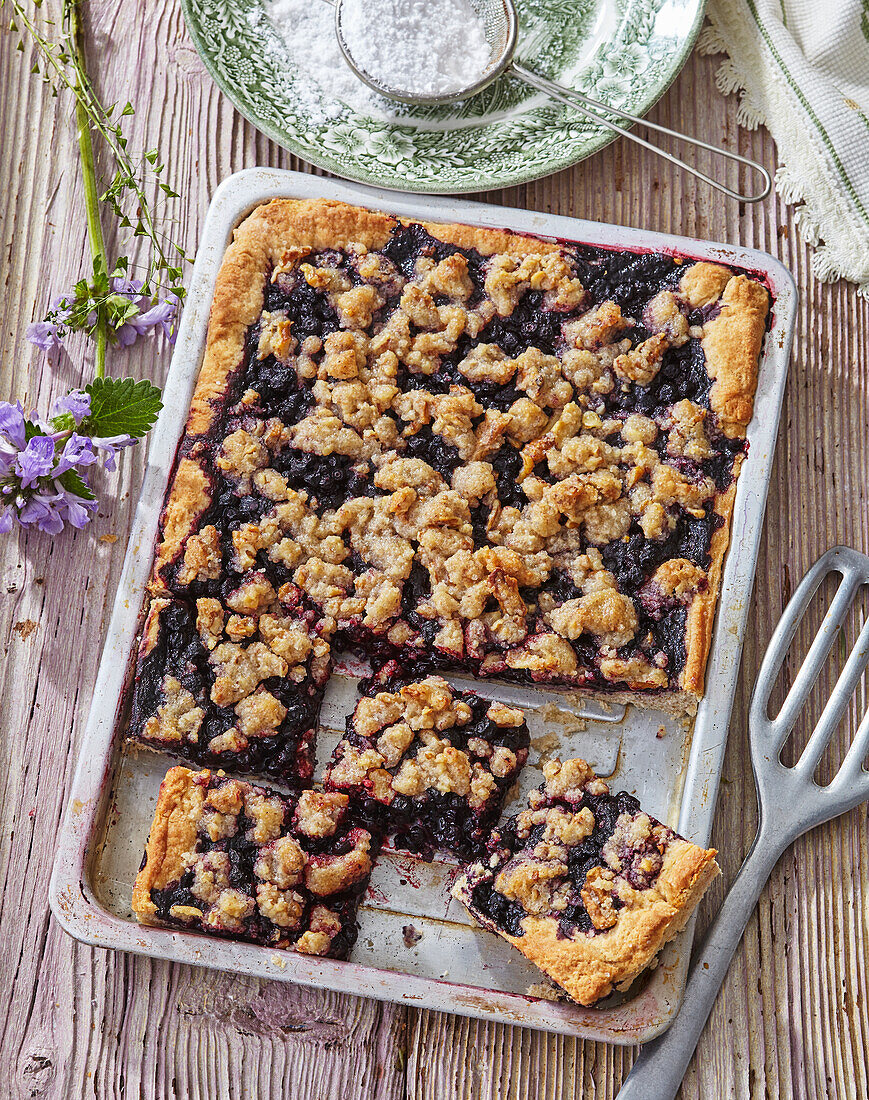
x=73, y=483
x=31, y=430
x=121, y=406
x=65, y=422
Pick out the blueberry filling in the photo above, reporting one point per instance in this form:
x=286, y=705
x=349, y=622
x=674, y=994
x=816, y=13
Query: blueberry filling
x=629, y=279
x=439, y=454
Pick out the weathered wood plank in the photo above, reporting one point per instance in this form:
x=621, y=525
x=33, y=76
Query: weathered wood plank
x=792, y=1021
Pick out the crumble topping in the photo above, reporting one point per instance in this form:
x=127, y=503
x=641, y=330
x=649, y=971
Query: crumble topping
x=509, y=277
x=178, y=718
x=318, y=813
x=597, y=897
x=327, y=874
x=679, y=577
x=240, y=669
x=202, y=557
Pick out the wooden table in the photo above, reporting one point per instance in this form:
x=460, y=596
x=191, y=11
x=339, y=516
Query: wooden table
x=793, y=1019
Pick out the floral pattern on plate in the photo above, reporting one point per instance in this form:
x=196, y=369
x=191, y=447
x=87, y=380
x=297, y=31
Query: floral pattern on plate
x=624, y=53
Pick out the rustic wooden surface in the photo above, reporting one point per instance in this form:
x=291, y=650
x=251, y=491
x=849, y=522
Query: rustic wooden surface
x=77, y=1022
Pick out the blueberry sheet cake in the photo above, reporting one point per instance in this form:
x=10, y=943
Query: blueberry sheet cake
x=239, y=860
x=454, y=448
x=430, y=764
x=443, y=449
x=585, y=884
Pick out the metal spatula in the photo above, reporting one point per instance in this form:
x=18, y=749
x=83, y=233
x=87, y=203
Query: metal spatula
x=790, y=803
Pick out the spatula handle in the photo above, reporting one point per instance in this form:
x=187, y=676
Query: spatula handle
x=660, y=1068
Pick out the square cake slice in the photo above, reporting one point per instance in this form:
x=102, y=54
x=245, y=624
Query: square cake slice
x=585, y=884
x=239, y=860
x=430, y=764
x=236, y=686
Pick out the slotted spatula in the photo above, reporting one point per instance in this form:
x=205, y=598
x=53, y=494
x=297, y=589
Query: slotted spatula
x=790, y=803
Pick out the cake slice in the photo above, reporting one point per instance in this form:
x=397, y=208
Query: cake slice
x=585, y=884
x=239, y=860
x=235, y=683
x=430, y=764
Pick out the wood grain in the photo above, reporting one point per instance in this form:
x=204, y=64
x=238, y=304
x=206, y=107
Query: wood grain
x=80, y=1022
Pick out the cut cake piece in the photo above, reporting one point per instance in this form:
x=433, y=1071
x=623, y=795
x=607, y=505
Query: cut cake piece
x=431, y=764
x=240, y=860
x=237, y=685
x=585, y=884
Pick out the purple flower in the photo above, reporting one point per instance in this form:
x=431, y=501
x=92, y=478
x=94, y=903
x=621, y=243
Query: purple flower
x=152, y=314
x=12, y=422
x=34, y=489
x=111, y=444
x=161, y=314
x=76, y=402
x=41, y=512
x=44, y=334
x=77, y=510
x=35, y=460
x=8, y=454
x=78, y=451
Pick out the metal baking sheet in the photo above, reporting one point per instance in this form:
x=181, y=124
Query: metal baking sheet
x=416, y=945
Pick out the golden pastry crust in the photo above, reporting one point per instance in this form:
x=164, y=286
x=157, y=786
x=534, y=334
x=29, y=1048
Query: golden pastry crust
x=703, y=283
x=731, y=343
x=700, y=620
x=187, y=502
x=172, y=837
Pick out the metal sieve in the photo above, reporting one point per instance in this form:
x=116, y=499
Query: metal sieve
x=501, y=28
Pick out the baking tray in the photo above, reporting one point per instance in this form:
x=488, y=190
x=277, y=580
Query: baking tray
x=416, y=945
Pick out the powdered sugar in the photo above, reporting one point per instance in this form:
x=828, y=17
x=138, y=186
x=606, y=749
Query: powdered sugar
x=303, y=45
x=306, y=56
x=422, y=47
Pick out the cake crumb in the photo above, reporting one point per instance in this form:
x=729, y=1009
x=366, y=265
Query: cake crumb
x=545, y=991
x=410, y=935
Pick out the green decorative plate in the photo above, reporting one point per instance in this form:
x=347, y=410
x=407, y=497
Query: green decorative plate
x=278, y=63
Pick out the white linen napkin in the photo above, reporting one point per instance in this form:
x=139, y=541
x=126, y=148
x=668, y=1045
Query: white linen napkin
x=802, y=70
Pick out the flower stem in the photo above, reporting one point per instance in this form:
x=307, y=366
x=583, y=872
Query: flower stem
x=89, y=179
